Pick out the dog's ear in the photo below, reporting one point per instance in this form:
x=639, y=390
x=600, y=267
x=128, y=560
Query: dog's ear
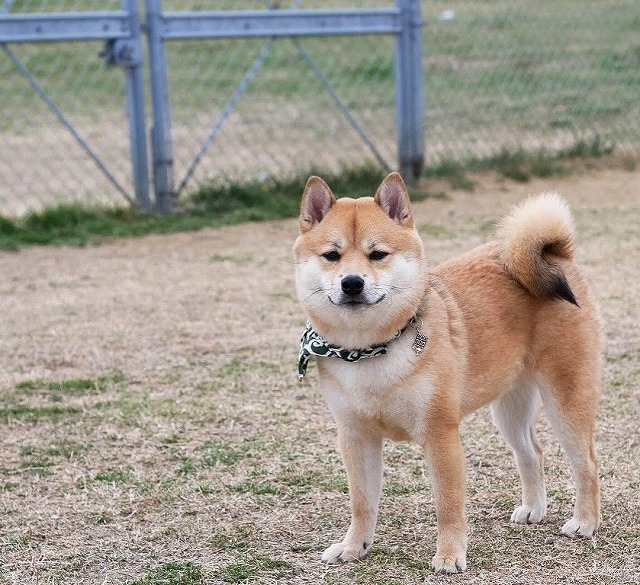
x=316, y=201
x=392, y=196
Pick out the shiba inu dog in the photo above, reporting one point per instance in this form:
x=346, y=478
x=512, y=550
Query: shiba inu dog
x=406, y=353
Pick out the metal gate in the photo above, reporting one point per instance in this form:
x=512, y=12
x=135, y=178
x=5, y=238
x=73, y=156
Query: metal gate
x=121, y=31
x=402, y=20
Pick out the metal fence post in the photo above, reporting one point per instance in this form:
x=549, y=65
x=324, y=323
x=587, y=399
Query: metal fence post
x=136, y=113
x=409, y=91
x=161, y=146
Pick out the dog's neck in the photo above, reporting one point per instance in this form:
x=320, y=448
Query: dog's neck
x=312, y=343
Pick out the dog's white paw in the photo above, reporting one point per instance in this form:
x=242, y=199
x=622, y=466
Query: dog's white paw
x=455, y=563
x=579, y=528
x=528, y=514
x=343, y=552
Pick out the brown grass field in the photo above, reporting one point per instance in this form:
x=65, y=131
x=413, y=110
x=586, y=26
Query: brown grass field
x=153, y=431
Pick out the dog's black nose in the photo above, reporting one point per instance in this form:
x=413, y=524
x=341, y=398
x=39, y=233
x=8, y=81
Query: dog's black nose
x=352, y=285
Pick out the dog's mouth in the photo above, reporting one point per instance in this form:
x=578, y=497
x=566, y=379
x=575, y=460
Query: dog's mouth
x=358, y=302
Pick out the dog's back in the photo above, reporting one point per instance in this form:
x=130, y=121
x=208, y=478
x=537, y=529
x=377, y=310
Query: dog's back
x=524, y=301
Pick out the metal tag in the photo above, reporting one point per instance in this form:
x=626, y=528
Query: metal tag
x=419, y=343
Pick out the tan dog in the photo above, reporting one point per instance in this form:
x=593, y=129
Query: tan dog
x=511, y=323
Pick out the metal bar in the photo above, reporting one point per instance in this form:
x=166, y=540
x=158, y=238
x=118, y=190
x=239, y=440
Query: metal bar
x=237, y=94
x=136, y=112
x=409, y=92
x=341, y=105
x=63, y=26
x=279, y=23
x=63, y=120
x=161, y=145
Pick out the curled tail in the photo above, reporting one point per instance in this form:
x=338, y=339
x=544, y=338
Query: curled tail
x=534, y=236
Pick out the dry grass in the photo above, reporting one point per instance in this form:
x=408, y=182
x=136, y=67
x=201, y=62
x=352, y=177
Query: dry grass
x=181, y=449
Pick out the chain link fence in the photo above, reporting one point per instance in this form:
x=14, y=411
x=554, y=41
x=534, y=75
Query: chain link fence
x=520, y=75
x=497, y=75
x=42, y=88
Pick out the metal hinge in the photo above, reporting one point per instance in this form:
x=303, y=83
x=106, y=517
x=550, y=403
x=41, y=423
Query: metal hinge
x=122, y=52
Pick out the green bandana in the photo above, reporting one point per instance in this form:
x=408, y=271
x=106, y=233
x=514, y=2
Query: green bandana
x=313, y=344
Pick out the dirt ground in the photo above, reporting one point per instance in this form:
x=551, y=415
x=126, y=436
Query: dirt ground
x=152, y=426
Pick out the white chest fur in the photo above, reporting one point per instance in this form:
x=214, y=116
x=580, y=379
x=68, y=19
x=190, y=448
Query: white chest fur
x=381, y=391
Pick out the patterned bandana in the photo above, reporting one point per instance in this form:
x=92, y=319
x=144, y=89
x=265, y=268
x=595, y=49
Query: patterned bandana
x=313, y=344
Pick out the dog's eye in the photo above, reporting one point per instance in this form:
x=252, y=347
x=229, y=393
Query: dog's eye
x=332, y=256
x=378, y=255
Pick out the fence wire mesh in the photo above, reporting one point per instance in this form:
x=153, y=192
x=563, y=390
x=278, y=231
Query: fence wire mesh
x=498, y=75
x=48, y=93
x=520, y=75
x=295, y=112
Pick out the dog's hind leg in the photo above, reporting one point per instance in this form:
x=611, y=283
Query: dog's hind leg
x=571, y=403
x=514, y=414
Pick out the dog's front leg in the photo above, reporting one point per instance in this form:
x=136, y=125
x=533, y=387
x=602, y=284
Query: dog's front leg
x=446, y=462
x=362, y=456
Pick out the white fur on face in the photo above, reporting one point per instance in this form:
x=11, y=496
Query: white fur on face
x=390, y=287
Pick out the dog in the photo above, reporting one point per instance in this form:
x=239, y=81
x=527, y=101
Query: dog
x=405, y=353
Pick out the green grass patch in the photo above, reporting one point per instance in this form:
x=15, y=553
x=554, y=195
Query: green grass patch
x=102, y=518
x=115, y=476
x=545, y=167
x=172, y=574
x=62, y=449
x=35, y=413
x=217, y=454
x=595, y=146
x=257, y=489
x=235, y=538
x=73, y=386
x=305, y=481
x=221, y=258
x=510, y=164
x=129, y=406
x=520, y=165
x=277, y=197
x=39, y=460
x=253, y=568
x=20, y=542
x=77, y=225
x=394, y=488
x=37, y=465
x=453, y=171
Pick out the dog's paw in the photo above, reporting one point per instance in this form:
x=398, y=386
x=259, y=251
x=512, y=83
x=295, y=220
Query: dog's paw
x=343, y=552
x=575, y=528
x=528, y=514
x=449, y=563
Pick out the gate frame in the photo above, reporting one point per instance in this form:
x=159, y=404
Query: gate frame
x=121, y=32
x=404, y=21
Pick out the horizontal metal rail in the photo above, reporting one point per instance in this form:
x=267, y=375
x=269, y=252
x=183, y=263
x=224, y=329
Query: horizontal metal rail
x=64, y=26
x=279, y=23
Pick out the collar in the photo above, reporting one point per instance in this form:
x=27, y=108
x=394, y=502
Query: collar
x=312, y=343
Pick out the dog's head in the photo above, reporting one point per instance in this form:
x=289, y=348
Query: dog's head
x=360, y=266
